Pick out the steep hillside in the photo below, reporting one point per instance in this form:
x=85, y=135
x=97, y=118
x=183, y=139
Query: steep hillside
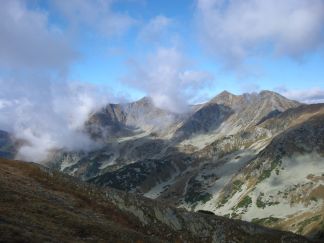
x=166, y=166
x=283, y=186
x=142, y=116
x=37, y=205
x=230, y=175
x=207, y=118
x=137, y=131
x=247, y=111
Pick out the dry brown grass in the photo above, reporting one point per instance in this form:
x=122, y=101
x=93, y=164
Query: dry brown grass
x=36, y=206
x=41, y=206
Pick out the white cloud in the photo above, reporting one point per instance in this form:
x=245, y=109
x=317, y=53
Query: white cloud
x=155, y=29
x=312, y=95
x=167, y=77
x=97, y=15
x=236, y=29
x=29, y=41
x=47, y=114
x=37, y=104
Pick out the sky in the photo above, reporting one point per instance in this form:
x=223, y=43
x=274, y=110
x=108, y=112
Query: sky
x=244, y=46
x=60, y=60
x=234, y=45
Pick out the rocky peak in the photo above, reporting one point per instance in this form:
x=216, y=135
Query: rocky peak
x=227, y=99
x=224, y=95
x=277, y=101
x=269, y=94
x=145, y=101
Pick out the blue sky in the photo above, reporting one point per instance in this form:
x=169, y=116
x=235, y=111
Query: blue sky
x=178, y=52
x=104, y=59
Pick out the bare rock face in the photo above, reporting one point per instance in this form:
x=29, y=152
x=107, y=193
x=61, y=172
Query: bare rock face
x=118, y=120
x=108, y=122
x=57, y=208
x=207, y=118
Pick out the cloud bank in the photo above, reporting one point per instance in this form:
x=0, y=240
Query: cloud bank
x=308, y=96
x=168, y=77
x=237, y=29
x=29, y=41
x=47, y=115
x=38, y=104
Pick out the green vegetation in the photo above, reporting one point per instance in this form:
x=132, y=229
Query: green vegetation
x=205, y=197
x=313, y=199
x=194, y=193
x=267, y=172
x=234, y=215
x=236, y=186
x=261, y=204
x=277, y=171
x=265, y=221
x=223, y=201
x=306, y=222
x=245, y=202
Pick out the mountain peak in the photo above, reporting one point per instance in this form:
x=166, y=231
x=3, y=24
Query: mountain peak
x=269, y=93
x=266, y=94
x=225, y=93
x=145, y=101
x=224, y=98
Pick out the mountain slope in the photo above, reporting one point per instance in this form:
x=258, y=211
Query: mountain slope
x=219, y=156
x=38, y=205
x=283, y=185
x=138, y=131
x=232, y=175
x=225, y=110
x=118, y=120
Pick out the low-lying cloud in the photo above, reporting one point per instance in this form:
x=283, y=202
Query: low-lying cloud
x=308, y=96
x=168, y=77
x=38, y=104
x=48, y=115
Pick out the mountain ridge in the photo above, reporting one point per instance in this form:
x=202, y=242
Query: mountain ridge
x=217, y=157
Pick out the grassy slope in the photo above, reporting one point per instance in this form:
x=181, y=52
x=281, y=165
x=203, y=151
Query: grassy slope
x=37, y=206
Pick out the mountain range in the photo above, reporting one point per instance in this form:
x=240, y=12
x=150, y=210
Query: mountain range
x=255, y=157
